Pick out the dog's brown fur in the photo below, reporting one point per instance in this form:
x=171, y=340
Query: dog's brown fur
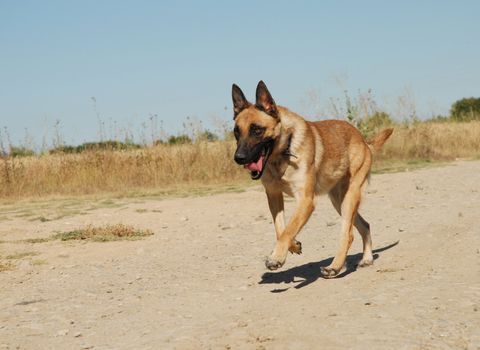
x=308, y=159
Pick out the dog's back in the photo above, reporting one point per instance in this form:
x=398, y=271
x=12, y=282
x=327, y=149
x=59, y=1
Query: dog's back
x=340, y=150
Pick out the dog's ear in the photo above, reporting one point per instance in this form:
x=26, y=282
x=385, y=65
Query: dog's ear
x=239, y=100
x=265, y=101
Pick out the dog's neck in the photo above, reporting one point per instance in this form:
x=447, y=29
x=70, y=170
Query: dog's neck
x=287, y=151
x=290, y=134
x=287, y=146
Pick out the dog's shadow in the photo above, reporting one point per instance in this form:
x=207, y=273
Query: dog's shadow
x=309, y=273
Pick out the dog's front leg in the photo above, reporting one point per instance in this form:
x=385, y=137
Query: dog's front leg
x=275, y=203
x=287, y=237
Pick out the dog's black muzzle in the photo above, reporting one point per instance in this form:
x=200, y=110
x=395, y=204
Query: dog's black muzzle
x=245, y=155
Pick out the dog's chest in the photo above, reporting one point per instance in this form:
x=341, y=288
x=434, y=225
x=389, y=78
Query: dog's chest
x=286, y=176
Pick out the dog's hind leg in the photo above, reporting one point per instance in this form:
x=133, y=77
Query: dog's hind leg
x=348, y=193
x=348, y=209
x=336, y=196
x=363, y=228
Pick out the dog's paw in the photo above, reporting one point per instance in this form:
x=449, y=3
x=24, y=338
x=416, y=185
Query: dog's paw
x=273, y=264
x=328, y=272
x=296, y=247
x=365, y=262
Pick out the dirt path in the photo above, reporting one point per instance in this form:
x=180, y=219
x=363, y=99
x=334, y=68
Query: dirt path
x=200, y=281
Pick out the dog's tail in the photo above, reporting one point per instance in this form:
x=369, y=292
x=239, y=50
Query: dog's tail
x=377, y=142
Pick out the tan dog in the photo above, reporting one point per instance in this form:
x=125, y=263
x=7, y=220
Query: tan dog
x=304, y=159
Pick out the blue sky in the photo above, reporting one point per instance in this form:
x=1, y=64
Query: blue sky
x=179, y=58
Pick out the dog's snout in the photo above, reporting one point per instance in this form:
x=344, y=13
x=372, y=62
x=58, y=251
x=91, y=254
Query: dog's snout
x=240, y=157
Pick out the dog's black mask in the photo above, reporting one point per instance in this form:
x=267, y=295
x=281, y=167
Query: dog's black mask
x=255, y=127
x=254, y=158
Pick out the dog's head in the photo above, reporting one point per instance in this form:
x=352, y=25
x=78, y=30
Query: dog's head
x=257, y=127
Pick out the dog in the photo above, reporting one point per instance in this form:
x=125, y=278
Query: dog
x=304, y=159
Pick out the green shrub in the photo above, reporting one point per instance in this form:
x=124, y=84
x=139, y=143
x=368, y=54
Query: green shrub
x=466, y=109
x=439, y=119
x=207, y=136
x=179, y=140
x=373, y=123
x=377, y=120
x=96, y=146
x=21, y=152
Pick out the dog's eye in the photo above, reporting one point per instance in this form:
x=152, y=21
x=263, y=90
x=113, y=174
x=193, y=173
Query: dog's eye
x=236, y=132
x=256, y=130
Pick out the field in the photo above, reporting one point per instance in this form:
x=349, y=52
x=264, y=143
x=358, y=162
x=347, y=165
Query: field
x=199, y=281
x=164, y=169
x=126, y=223
x=163, y=247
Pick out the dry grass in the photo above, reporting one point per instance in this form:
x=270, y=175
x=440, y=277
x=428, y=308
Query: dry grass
x=163, y=168
x=103, y=233
x=433, y=142
x=5, y=266
x=21, y=255
x=420, y=144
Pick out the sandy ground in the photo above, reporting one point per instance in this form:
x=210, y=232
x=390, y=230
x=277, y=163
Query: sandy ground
x=200, y=282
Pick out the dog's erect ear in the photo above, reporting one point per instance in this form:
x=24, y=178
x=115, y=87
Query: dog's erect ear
x=265, y=101
x=239, y=100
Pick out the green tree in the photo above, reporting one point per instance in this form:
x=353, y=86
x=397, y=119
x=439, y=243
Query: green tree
x=466, y=109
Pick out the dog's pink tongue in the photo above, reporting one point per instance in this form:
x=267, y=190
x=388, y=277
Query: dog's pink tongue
x=257, y=166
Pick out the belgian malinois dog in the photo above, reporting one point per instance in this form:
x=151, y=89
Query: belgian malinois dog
x=304, y=159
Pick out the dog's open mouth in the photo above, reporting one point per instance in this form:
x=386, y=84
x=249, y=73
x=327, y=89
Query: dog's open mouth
x=256, y=168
